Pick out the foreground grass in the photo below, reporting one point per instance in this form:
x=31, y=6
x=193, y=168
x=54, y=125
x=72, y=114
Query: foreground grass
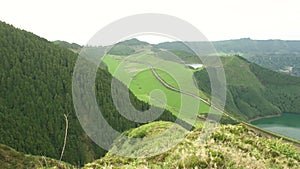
x=228, y=147
x=10, y=158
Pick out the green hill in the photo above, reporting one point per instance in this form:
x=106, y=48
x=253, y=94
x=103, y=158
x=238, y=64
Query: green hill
x=128, y=47
x=71, y=46
x=228, y=147
x=133, y=42
x=253, y=91
x=36, y=92
x=277, y=55
x=244, y=45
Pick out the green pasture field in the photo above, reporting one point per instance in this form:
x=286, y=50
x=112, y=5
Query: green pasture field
x=134, y=71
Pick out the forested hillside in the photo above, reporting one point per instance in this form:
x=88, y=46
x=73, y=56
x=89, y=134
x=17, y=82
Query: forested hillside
x=35, y=93
x=253, y=91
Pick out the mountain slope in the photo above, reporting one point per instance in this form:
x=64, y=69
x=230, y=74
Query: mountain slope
x=247, y=45
x=36, y=92
x=128, y=47
x=227, y=147
x=277, y=55
x=71, y=46
x=253, y=91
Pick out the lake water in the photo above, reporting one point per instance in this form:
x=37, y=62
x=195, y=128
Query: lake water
x=287, y=124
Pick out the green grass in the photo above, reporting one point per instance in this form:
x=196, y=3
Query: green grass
x=112, y=63
x=238, y=73
x=141, y=88
x=10, y=158
x=148, y=139
x=227, y=147
x=167, y=78
x=140, y=80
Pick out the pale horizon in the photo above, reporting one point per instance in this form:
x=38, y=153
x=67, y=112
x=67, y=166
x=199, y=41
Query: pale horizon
x=77, y=21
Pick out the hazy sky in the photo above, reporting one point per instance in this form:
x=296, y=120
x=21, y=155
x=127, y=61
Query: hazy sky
x=78, y=21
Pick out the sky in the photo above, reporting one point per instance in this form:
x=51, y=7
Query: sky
x=77, y=21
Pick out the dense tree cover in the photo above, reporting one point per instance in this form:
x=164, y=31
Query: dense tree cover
x=288, y=63
x=253, y=91
x=35, y=93
x=281, y=90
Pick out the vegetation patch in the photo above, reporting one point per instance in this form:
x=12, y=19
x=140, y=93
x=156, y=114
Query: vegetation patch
x=229, y=146
x=10, y=158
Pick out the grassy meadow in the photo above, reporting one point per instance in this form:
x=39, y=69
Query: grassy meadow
x=134, y=71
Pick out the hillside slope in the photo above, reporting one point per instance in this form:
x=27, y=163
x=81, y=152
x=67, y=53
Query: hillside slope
x=36, y=92
x=10, y=158
x=228, y=147
x=71, y=46
x=253, y=91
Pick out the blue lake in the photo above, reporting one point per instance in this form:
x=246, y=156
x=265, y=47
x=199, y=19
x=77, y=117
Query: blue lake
x=287, y=124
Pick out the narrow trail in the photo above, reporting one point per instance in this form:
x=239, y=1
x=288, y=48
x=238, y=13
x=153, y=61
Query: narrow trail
x=256, y=129
x=187, y=93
